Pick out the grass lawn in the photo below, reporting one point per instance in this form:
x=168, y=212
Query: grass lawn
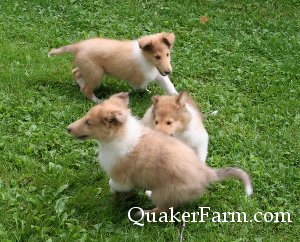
x=243, y=62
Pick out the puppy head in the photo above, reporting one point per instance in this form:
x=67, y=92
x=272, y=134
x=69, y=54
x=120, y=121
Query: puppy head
x=156, y=49
x=104, y=121
x=170, y=114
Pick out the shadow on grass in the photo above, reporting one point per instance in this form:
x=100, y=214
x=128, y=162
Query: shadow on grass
x=70, y=89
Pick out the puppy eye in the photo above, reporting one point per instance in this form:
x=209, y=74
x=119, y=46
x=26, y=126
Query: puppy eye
x=157, y=57
x=168, y=54
x=156, y=122
x=88, y=123
x=169, y=122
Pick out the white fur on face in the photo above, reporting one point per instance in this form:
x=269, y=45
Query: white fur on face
x=194, y=135
x=149, y=70
x=111, y=152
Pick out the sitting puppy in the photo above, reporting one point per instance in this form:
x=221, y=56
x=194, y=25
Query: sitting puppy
x=138, y=157
x=137, y=61
x=179, y=116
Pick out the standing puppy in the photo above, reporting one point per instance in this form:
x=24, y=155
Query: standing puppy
x=136, y=61
x=179, y=116
x=138, y=157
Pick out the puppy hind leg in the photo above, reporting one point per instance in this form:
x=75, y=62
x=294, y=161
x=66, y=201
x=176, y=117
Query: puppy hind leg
x=153, y=212
x=89, y=93
x=77, y=77
x=92, y=79
x=164, y=199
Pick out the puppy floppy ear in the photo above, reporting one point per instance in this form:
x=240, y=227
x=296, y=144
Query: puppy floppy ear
x=155, y=99
x=168, y=39
x=115, y=118
x=182, y=98
x=123, y=97
x=145, y=43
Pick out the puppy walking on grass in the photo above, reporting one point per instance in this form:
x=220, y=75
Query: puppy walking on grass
x=179, y=116
x=136, y=61
x=134, y=156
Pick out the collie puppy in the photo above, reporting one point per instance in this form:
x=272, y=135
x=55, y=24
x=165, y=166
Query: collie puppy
x=135, y=156
x=136, y=61
x=179, y=116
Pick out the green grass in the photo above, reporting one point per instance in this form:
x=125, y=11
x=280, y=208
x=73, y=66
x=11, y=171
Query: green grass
x=243, y=62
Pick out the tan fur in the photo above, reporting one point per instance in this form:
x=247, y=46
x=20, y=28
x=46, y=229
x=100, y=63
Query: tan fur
x=118, y=58
x=152, y=160
x=170, y=115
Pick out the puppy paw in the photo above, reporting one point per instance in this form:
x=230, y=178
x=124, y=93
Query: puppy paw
x=95, y=99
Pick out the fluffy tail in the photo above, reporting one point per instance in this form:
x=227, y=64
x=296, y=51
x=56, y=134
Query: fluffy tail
x=64, y=49
x=240, y=174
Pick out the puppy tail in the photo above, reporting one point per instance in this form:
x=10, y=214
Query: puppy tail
x=63, y=50
x=232, y=172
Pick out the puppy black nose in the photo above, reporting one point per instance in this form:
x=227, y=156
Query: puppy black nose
x=167, y=72
x=68, y=130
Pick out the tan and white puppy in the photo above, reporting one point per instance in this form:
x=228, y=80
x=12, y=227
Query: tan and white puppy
x=136, y=61
x=179, y=116
x=134, y=156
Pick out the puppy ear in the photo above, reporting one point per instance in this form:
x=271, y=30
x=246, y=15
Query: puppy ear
x=115, y=118
x=155, y=99
x=145, y=43
x=182, y=98
x=122, y=96
x=168, y=39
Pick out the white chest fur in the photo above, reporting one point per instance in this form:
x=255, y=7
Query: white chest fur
x=110, y=153
x=195, y=135
x=149, y=71
x=190, y=134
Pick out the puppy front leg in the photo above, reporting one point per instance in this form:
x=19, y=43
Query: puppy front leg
x=166, y=84
x=202, y=154
x=118, y=187
x=202, y=149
